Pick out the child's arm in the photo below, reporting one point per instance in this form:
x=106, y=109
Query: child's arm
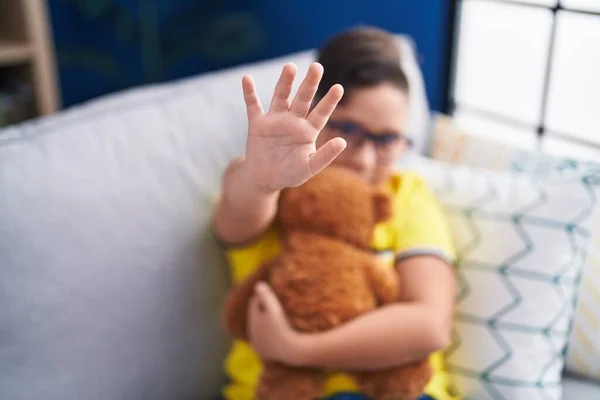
x=244, y=210
x=394, y=335
x=280, y=153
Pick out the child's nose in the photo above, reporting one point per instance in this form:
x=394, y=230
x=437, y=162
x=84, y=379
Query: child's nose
x=365, y=155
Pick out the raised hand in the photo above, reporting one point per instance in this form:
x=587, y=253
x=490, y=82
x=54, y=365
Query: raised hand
x=281, y=150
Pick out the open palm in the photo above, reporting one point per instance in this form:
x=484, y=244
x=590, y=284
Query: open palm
x=281, y=150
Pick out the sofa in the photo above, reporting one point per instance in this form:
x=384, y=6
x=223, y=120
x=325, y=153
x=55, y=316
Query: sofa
x=111, y=279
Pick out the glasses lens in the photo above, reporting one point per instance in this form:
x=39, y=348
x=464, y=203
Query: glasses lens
x=351, y=132
x=350, y=128
x=390, y=146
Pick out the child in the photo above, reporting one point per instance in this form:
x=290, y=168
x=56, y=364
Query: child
x=351, y=109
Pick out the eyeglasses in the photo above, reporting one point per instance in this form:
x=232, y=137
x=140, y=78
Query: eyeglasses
x=386, y=144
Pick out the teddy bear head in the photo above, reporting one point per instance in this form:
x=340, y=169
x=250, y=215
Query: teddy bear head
x=337, y=203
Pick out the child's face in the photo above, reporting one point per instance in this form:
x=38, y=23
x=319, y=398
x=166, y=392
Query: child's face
x=373, y=121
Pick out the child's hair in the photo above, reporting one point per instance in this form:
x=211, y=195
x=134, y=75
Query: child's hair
x=361, y=57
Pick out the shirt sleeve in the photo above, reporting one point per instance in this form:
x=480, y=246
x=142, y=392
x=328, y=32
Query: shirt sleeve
x=422, y=225
x=244, y=260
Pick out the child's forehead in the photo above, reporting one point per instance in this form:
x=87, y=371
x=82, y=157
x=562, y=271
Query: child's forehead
x=381, y=108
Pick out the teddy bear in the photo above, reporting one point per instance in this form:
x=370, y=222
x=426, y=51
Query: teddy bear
x=324, y=276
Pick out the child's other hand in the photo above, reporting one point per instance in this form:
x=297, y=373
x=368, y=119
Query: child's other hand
x=270, y=333
x=281, y=149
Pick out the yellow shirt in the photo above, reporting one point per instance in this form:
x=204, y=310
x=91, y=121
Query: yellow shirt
x=418, y=228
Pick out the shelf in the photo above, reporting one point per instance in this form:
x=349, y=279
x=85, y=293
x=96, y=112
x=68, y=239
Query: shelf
x=14, y=52
x=26, y=49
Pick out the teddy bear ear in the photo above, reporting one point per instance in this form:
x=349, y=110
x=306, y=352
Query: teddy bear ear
x=382, y=205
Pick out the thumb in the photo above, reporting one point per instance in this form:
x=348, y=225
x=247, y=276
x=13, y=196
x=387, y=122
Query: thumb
x=254, y=307
x=267, y=298
x=326, y=154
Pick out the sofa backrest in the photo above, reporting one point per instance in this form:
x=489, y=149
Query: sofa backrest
x=110, y=279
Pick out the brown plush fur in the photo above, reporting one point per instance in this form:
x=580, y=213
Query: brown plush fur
x=324, y=276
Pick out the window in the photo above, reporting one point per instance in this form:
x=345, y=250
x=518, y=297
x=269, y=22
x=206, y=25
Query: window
x=528, y=72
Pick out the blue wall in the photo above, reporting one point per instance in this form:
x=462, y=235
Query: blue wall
x=108, y=45
x=295, y=25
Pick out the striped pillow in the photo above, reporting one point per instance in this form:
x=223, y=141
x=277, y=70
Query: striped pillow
x=458, y=146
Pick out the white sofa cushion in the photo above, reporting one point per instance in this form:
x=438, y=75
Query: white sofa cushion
x=577, y=388
x=111, y=281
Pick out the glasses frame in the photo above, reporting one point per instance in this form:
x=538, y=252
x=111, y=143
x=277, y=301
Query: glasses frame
x=375, y=138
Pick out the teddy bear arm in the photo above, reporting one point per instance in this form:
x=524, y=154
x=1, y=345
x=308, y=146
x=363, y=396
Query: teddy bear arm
x=383, y=281
x=235, y=308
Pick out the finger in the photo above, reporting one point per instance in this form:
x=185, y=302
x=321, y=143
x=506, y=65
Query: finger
x=268, y=299
x=319, y=116
x=253, y=306
x=326, y=154
x=253, y=314
x=283, y=89
x=253, y=106
x=307, y=90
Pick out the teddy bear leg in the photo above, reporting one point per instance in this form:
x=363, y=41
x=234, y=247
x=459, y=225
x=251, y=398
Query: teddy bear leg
x=279, y=382
x=401, y=383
